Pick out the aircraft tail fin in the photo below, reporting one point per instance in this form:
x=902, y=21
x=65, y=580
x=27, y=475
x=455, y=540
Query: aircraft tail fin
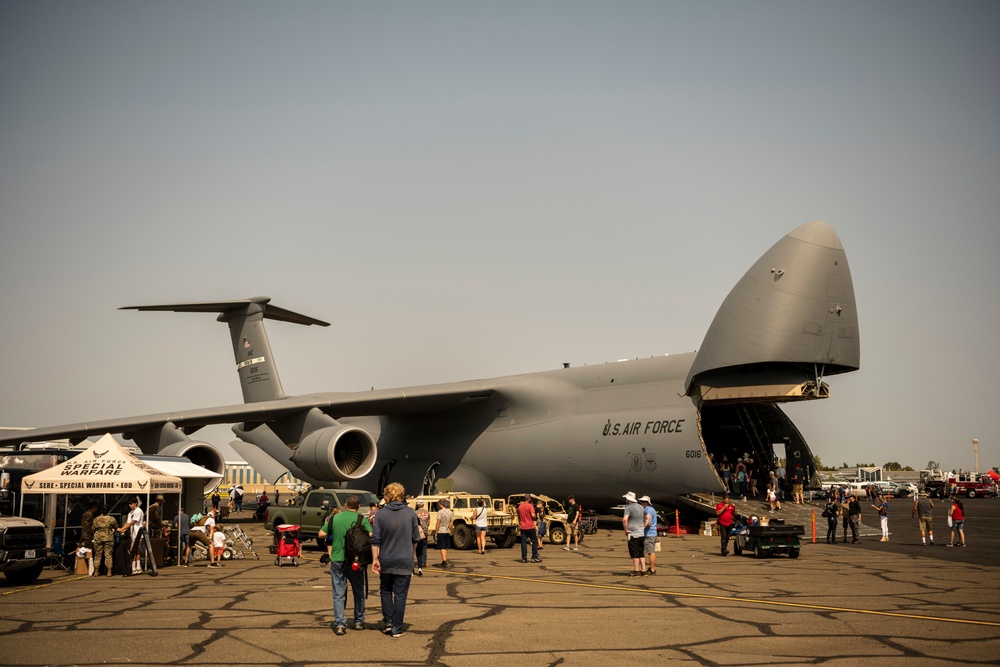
x=254, y=361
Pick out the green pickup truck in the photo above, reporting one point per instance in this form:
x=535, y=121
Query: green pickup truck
x=313, y=509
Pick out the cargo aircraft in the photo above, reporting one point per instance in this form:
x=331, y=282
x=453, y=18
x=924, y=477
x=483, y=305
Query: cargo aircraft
x=659, y=425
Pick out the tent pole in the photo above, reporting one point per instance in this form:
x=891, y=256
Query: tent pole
x=65, y=521
x=146, y=526
x=180, y=549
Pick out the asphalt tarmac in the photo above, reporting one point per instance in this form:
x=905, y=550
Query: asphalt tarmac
x=894, y=603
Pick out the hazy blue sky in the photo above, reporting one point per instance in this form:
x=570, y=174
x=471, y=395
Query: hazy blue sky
x=468, y=190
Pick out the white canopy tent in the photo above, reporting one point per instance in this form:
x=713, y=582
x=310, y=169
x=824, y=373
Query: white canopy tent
x=104, y=467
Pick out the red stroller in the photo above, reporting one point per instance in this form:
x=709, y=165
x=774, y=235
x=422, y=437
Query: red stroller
x=288, y=549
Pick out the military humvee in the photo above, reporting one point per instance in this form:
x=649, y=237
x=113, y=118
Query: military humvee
x=502, y=525
x=555, y=516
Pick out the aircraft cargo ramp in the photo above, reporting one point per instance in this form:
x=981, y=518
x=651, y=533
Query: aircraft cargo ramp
x=799, y=515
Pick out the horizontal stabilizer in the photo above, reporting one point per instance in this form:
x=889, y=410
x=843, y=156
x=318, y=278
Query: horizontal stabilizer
x=240, y=305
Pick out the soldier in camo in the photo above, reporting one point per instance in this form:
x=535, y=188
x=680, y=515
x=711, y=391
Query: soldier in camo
x=104, y=540
x=87, y=525
x=155, y=519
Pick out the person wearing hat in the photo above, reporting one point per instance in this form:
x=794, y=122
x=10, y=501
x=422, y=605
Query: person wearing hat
x=446, y=520
x=649, y=538
x=209, y=525
x=420, y=550
x=634, y=525
x=922, y=509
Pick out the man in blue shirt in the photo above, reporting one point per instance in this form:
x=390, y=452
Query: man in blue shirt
x=649, y=543
x=396, y=532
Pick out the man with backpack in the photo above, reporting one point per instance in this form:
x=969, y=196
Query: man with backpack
x=396, y=532
x=348, y=567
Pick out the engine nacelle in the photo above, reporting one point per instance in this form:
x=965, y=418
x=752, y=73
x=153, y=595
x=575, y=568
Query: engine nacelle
x=199, y=453
x=337, y=453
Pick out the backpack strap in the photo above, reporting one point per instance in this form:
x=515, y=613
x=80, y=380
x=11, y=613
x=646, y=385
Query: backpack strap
x=359, y=523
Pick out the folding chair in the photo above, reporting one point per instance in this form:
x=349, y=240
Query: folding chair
x=57, y=557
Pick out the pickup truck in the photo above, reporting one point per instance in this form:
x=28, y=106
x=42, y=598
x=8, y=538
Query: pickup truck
x=22, y=549
x=311, y=512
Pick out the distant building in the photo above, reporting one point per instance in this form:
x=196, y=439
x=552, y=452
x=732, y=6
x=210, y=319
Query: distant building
x=240, y=472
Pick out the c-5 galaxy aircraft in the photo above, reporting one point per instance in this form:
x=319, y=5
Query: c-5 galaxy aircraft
x=654, y=425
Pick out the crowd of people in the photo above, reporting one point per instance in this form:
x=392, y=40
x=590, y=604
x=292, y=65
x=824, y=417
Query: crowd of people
x=397, y=536
x=741, y=478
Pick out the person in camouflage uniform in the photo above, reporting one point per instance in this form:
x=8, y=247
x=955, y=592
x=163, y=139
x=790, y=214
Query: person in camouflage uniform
x=87, y=525
x=155, y=519
x=104, y=540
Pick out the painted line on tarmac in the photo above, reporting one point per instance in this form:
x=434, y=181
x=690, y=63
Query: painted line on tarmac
x=49, y=582
x=727, y=598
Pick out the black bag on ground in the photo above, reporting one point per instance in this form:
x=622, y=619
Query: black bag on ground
x=123, y=559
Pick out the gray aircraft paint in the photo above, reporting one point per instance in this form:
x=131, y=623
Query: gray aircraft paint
x=595, y=431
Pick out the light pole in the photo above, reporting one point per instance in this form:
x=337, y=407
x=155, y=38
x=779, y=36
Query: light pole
x=975, y=450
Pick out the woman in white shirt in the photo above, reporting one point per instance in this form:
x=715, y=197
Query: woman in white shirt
x=480, y=516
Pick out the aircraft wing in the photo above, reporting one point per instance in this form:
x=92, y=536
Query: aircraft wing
x=405, y=401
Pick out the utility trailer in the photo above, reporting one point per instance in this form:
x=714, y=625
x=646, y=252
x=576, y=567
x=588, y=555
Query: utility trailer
x=769, y=540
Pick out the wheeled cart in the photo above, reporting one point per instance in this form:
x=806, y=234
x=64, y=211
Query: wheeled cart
x=288, y=548
x=769, y=540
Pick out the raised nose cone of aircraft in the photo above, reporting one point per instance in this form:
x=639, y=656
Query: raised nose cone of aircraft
x=793, y=310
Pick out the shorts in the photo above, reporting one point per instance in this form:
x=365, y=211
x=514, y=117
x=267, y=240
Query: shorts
x=925, y=522
x=958, y=525
x=572, y=529
x=480, y=529
x=197, y=536
x=796, y=488
x=648, y=545
x=635, y=545
x=444, y=541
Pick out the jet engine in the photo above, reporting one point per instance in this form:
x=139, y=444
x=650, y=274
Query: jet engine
x=199, y=453
x=340, y=453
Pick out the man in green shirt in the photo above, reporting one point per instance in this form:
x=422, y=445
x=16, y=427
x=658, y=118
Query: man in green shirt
x=341, y=572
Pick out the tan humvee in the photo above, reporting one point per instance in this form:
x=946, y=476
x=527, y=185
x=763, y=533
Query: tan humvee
x=502, y=525
x=555, y=515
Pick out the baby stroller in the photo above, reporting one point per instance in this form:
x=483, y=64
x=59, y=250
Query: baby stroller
x=288, y=548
